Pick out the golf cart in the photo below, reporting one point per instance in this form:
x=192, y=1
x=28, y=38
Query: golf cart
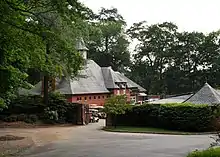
x=93, y=116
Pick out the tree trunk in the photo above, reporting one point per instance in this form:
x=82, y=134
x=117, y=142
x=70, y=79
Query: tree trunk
x=46, y=77
x=106, y=44
x=46, y=93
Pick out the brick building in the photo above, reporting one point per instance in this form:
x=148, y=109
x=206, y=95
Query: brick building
x=95, y=84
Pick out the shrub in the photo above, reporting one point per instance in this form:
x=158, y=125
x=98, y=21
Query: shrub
x=183, y=117
x=71, y=113
x=50, y=116
x=33, y=118
x=25, y=105
x=186, y=117
x=22, y=117
x=12, y=118
x=32, y=108
x=116, y=105
x=57, y=103
x=212, y=152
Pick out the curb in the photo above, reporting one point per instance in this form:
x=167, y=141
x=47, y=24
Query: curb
x=162, y=133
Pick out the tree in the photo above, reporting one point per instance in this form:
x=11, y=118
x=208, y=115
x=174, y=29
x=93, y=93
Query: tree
x=170, y=62
x=116, y=105
x=108, y=44
x=39, y=35
x=153, y=53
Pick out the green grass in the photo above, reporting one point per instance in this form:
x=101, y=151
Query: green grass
x=212, y=152
x=147, y=130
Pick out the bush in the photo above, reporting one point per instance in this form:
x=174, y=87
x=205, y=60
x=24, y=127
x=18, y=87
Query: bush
x=57, y=103
x=71, y=113
x=50, y=116
x=22, y=117
x=12, y=118
x=33, y=118
x=186, y=117
x=31, y=108
x=212, y=152
x=25, y=105
x=182, y=117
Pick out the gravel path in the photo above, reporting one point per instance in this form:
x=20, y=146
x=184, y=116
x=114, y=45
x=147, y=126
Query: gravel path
x=89, y=141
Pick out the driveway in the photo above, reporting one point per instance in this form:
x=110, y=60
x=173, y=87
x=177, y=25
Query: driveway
x=89, y=141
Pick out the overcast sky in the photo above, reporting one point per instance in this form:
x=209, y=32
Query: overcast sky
x=188, y=15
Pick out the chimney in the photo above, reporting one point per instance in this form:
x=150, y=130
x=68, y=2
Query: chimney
x=81, y=47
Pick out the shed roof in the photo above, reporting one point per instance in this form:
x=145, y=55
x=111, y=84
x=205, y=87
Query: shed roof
x=176, y=99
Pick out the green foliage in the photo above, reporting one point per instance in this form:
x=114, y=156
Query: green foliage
x=21, y=117
x=50, y=116
x=108, y=44
x=12, y=118
x=181, y=117
x=25, y=105
x=186, y=117
x=212, y=152
x=2, y=103
x=167, y=61
x=116, y=105
x=38, y=35
x=29, y=109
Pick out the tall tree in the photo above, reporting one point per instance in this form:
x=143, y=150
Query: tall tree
x=40, y=35
x=153, y=53
x=108, y=44
x=170, y=62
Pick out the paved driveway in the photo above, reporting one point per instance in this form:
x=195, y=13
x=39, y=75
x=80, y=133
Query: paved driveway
x=88, y=141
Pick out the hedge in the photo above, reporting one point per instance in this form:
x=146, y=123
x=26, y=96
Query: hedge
x=181, y=117
x=31, y=108
x=212, y=152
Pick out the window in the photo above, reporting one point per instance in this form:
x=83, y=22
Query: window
x=94, y=97
x=124, y=91
x=90, y=98
x=103, y=97
x=77, y=98
x=118, y=92
x=98, y=97
x=85, y=98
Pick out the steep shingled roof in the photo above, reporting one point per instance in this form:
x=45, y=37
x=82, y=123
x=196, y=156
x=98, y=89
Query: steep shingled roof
x=109, y=78
x=132, y=84
x=92, y=79
x=206, y=95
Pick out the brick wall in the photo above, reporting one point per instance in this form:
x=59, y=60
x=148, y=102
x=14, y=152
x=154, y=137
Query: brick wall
x=98, y=99
x=122, y=92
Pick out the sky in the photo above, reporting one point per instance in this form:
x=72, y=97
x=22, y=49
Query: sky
x=188, y=15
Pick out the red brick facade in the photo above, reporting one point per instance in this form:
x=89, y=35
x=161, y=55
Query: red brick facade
x=98, y=99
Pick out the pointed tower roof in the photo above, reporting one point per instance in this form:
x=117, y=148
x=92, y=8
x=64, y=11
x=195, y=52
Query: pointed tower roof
x=206, y=95
x=80, y=45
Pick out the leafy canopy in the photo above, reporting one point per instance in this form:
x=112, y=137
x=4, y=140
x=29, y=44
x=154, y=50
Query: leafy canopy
x=39, y=35
x=116, y=105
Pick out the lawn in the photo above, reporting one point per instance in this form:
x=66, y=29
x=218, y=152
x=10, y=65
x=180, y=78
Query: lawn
x=129, y=129
x=213, y=152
